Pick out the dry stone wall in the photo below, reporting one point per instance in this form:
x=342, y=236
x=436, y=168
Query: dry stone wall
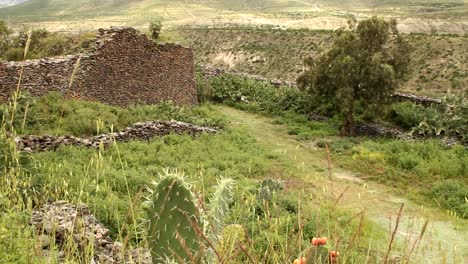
x=124, y=68
x=138, y=131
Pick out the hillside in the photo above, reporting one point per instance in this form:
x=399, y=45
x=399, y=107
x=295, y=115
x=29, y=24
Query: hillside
x=449, y=16
x=4, y=3
x=438, y=61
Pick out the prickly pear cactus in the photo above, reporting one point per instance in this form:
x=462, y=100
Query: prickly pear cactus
x=219, y=206
x=267, y=188
x=317, y=255
x=173, y=214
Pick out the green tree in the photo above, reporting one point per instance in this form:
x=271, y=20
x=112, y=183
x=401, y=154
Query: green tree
x=365, y=64
x=155, y=29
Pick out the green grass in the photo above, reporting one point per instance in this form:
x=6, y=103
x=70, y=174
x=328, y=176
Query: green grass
x=113, y=183
x=426, y=171
x=52, y=115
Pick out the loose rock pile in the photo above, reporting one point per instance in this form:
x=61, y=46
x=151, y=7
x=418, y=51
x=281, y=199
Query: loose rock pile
x=138, y=131
x=422, y=100
x=377, y=130
x=75, y=223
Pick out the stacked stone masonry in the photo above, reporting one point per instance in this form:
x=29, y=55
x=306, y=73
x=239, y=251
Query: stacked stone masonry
x=123, y=68
x=138, y=131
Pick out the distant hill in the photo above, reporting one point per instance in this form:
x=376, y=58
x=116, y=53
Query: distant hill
x=450, y=16
x=4, y=3
x=438, y=61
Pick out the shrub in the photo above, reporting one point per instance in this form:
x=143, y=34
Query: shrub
x=406, y=114
x=259, y=96
x=452, y=195
x=447, y=119
x=155, y=29
x=14, y=54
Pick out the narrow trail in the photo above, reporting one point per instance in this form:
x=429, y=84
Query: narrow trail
x=445, y=241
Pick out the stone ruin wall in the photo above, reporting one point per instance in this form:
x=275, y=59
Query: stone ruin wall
x=124, y=68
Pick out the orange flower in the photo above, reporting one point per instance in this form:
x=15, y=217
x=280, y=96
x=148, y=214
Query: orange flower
x=334, y=256
x=315, y=241
x=323, y=241
x=300, y=261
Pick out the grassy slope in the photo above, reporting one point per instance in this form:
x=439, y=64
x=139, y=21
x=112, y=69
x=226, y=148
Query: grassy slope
x=438, y=61
x=378, y=200
x=69, y=15
x=249, y=148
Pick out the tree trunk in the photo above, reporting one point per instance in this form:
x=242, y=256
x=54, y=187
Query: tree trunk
x=348, y=125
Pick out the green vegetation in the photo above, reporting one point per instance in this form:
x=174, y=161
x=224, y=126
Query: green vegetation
x=155, y=29
x=398, y=164
x=446, y=119
x=425, y=170
x=359, y=67
x=287, y=104
x=290, y=107
x=112, y=182
x=288, y=189
x=42, y=43
x=436, y=60
x=174, y=216
x=52, y=115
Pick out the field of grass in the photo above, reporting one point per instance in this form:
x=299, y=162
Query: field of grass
x=423, y=170
x=377, y=200
x=58, y=15
x=110, y=181
x=438, y=61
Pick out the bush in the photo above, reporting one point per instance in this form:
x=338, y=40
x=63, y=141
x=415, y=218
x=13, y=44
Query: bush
x=406, y=114
x=410, y=166
x=446, y=119
x=14, y=54
x=452, y=195
x=42, y=44
x=259, y=96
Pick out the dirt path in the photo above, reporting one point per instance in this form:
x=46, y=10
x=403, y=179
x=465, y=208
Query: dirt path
x=447, y=239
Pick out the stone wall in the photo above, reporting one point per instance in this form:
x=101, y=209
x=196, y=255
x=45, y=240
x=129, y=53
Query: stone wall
x=123, y=68
x=210, y=72
x=138, y=131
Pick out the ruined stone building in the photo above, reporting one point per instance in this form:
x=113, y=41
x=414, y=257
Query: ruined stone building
x=124, y=67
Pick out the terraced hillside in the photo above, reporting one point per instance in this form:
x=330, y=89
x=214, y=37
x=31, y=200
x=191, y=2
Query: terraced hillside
x=439, y=62
x=449, y=16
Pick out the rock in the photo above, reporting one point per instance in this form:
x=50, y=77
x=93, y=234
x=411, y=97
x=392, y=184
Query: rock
x=77, y=223
x=44, y=240
x=138, y=131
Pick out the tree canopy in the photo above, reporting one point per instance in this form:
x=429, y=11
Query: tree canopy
x=365, y=64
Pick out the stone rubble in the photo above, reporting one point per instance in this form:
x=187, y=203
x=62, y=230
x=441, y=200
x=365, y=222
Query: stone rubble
x=379, y=130
x=422, y=100
x=138, y=131
x=68, y=222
